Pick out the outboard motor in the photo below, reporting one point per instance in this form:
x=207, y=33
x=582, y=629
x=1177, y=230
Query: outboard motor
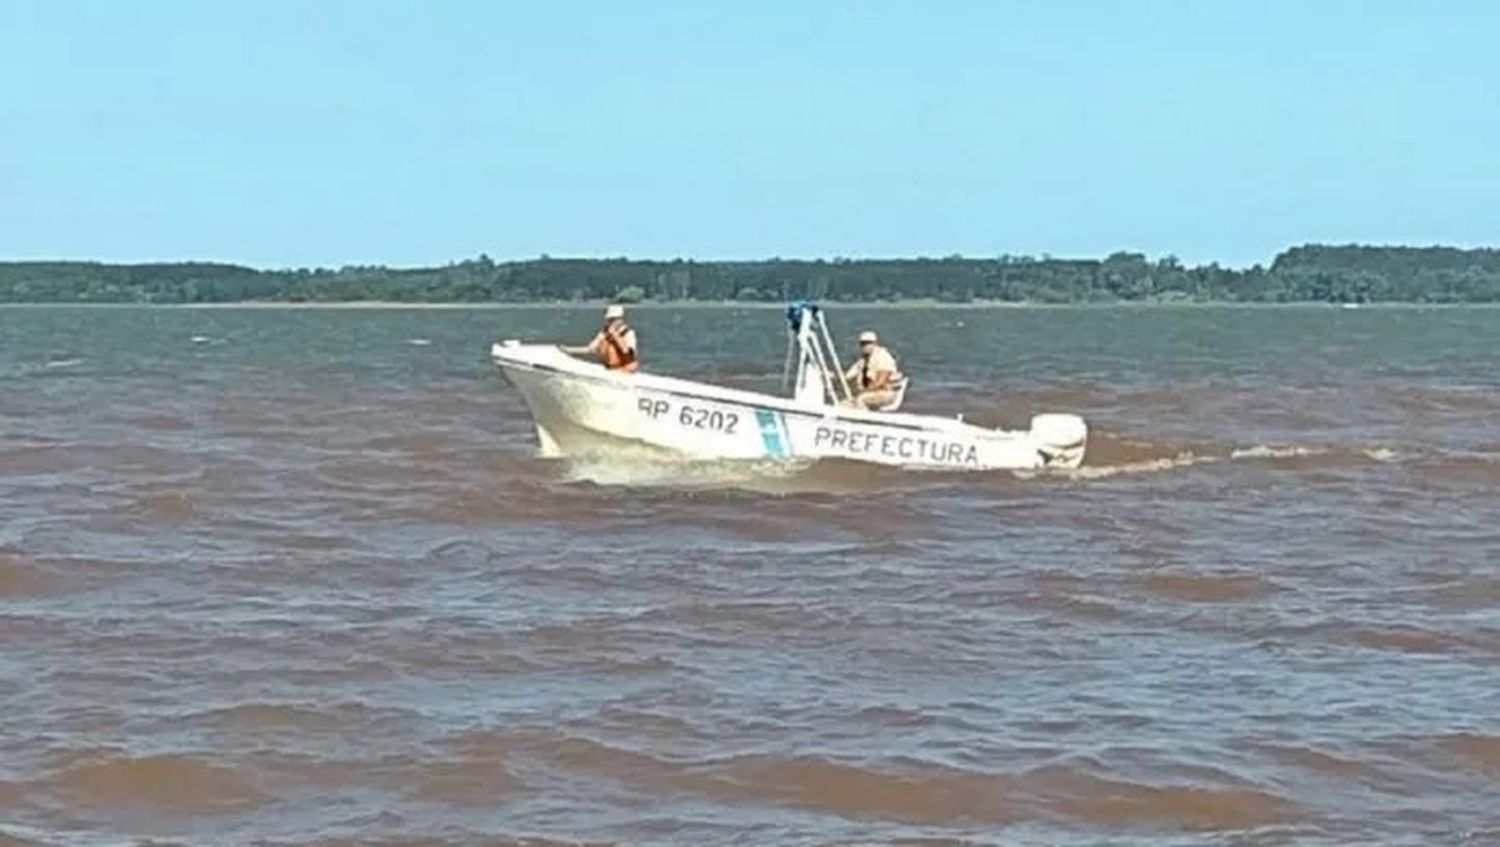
x=1060, y=438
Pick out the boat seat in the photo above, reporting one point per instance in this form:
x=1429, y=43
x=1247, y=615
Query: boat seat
x=900, y=391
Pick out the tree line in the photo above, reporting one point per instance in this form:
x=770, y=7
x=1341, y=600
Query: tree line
x=1312, y=273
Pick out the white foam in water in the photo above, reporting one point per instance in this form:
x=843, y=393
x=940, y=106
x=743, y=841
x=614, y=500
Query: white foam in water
x=1181, y=460
x=35, y=835
x=64, y=363
x=1263, y=451
x=200, y=339
x=418, y=342
x=656, y=471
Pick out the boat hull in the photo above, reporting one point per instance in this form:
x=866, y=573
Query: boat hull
x=579, y=408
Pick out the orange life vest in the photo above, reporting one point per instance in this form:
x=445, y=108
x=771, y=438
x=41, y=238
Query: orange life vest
x=614, y=356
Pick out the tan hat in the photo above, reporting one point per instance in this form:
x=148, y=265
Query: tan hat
x=868, y=335
x=614, y=311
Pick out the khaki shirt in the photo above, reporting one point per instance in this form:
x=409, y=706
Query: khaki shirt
x=880, y=359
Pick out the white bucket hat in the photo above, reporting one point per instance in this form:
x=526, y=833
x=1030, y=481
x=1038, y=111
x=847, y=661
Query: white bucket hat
x=614, y=311
x=868, y=335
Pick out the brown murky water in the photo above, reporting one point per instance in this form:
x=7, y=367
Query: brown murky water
x=295, y=577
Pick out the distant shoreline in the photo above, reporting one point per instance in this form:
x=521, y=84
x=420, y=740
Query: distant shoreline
x=597, y=304
x=584, y=305
x=1313, y=273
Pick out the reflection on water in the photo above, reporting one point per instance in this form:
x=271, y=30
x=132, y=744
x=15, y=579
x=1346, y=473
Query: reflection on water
x=296, y=577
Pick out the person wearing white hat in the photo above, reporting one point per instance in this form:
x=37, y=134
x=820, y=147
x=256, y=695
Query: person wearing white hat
x=615, y=343
x=874, y=376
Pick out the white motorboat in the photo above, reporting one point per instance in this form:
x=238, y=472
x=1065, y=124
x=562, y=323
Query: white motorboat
x=580, y=408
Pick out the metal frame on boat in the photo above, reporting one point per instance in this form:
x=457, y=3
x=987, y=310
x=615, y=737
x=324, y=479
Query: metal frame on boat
x=581, y=408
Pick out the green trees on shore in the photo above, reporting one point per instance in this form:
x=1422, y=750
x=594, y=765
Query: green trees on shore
x=1313, y=273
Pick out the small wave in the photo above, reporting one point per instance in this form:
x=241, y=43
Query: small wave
x=1146, y=466
x=1110, y=448
x=1204, y=587
x=19, y=577
x=422, y=444
x=475, y=769
x=419, y=342
x=936, y=794
x=1113, y=802
x=273, y=716
x=1399, y=638
x=1285, y=455
x=586, y=754
x=640, y=721
x=925, y=795
x=1070, y=596
x=460, y=553
x=168, y=508
x=364, y=474
x=158, y=421
x=466, y=783
x=1197, y=809
x=1470, y=468
x=12, y=795
x=740, y=617
x=1324, y=762
x=894, y=716
x=435, y=841
x=162, y=781
x=1294, y=456
x=63, y=363
x=1467, y=592
x=1405, y=639
x=474, y=774
x=19, y=835
x=1263, y=451
x=1475, y=748
x=200, y=339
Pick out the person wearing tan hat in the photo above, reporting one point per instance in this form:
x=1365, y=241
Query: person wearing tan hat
x=874, y=375
x=614, y=344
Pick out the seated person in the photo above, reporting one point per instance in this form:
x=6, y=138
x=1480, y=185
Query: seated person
x=874, y=376
x=614, y=344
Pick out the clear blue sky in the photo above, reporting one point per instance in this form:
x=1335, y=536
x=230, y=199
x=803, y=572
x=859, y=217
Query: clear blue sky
x=284, y=133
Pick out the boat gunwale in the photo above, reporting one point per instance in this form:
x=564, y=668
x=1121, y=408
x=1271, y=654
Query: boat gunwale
x=581, y=369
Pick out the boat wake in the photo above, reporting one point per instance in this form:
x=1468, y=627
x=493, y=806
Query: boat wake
x=645, y=470
x=1113, y=455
